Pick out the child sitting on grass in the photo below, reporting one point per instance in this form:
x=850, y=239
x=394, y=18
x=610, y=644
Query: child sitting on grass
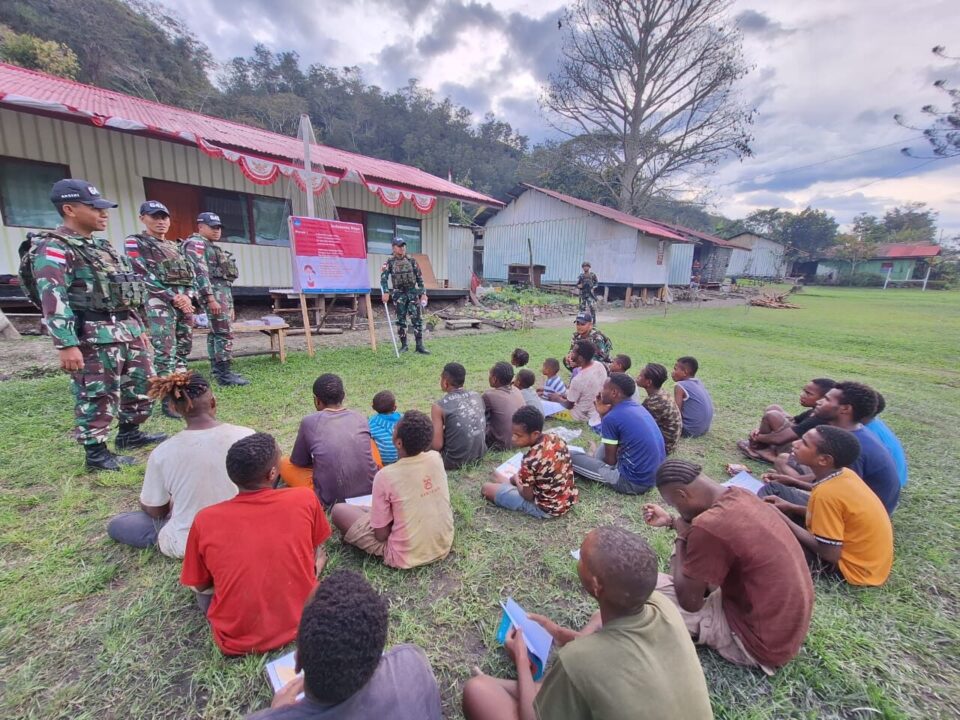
x=553, y=382
x=524, y=383
x=382, y=424
x=410, y=521
x=543, y=487
x=519, y=358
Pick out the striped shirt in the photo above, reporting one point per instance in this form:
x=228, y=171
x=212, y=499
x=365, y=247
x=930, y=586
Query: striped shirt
x=555, y=384
x=381, y=430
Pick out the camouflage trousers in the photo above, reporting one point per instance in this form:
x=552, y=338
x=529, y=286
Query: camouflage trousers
x=220, y=339
x=589, y=305
x=171, y=336
x=408, y=303
x=112, y=384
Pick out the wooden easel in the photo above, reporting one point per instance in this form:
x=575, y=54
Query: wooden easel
x=308, y=328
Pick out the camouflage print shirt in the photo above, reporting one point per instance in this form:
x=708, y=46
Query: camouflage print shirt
x=587, y=284
x=604, y=346
x=59, y=268
x=146, y=253
x=396, y=267
x=197, y=250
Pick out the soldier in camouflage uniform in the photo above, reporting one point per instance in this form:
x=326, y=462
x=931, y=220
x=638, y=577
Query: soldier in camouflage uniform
x=586, y=331
x=407, y=294
x=89, y=295
x=215, y=270
x=587, y=285
x=169, y=279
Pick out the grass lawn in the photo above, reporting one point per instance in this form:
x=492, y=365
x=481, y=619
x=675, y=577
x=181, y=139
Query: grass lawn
x=90, y=629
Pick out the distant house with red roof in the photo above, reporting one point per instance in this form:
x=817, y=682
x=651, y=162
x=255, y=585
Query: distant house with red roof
x=902, y=261
x=134, y=149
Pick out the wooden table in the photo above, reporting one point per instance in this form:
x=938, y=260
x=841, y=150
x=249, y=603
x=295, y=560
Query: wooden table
x=276, y=333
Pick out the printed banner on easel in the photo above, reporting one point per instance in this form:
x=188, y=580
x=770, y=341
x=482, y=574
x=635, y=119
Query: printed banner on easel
x=329, y=256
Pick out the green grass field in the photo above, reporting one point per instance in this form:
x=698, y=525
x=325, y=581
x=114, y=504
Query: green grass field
x=89, y=629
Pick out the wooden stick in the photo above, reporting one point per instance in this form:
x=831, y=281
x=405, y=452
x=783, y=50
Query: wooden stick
x=373, y=337
x=305, y=314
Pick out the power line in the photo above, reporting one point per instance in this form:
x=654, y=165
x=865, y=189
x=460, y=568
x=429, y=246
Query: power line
x=889, y=177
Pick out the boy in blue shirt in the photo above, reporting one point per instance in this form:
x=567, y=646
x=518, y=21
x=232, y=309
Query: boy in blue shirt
x=382, y=424
x=553, y=383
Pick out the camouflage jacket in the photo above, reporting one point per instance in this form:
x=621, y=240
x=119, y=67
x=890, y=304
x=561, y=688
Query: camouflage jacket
x=587, y=285
x=403, y=271
x=59, y=269
x=147, y=254
x=212, y=265
x=604, y=346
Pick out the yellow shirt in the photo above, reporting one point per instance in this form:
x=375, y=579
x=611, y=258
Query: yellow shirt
x=844, y=511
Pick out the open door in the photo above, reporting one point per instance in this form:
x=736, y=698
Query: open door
x=183, y=201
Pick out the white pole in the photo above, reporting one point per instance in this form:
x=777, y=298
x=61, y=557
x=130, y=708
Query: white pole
x=889, y=270
x=306, y=132
x=927, y=277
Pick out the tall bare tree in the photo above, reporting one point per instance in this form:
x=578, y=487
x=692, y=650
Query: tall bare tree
x=649, y=88
x=943, y=133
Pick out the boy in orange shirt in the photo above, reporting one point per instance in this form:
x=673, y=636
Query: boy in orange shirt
x=410, y=521
x=847, y=527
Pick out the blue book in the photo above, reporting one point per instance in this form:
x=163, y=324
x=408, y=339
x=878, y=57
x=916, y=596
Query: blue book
x=537, y=640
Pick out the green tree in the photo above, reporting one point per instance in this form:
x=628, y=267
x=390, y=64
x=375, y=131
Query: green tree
x=911, y=223
x=869, y=228
x=33, y=53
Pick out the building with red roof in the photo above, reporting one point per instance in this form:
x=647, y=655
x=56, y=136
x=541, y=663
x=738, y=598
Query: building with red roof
x=898, y=262
x=134, y=149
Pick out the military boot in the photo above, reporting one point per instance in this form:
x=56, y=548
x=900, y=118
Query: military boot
x=168, y=410
x=420, y=348
x=403, y=340
x=225, y=376
x=100, y=458
x=131, y=436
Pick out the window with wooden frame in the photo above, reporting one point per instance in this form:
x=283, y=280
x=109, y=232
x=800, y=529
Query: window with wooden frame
x=382, y=229
x=25, y=192
x=247, y=219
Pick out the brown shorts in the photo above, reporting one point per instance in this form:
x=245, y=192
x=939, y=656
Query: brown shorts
x=708, y=626
x=361, y=535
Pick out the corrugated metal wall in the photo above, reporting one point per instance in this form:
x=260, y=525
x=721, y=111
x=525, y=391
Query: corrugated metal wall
x=460, y=256
x=563, y=236
x=680, y=264
x=118, y=162
x=765, y=260
x=556, y=230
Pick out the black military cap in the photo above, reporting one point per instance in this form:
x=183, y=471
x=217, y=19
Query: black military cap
x=153, y=207
x=74, y=190
x=209, y=218
x=583, y=318
x=399, y=241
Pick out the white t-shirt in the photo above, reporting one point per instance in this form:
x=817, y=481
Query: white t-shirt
x=189, y=470
x=583, y=390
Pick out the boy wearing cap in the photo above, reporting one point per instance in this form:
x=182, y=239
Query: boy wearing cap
x=587, y=285
x=408, y=292
x=169, y=280
x=215, y=270
x=89, y=296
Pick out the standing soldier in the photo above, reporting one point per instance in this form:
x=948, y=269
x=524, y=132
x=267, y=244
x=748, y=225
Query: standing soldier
x=587, y=285
x=215, y=270
x=169, y=279
x=89, y=294
x=408, y=293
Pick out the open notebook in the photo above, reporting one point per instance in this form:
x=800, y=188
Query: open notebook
x=281, y=671
x=744, y=480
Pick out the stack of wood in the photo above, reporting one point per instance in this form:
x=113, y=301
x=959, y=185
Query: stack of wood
x=778, y=302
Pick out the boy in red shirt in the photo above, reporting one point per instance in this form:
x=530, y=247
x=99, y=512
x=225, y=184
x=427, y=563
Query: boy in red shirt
x=260, y=552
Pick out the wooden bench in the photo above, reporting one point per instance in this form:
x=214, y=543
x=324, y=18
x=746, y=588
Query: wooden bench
x=276, y=333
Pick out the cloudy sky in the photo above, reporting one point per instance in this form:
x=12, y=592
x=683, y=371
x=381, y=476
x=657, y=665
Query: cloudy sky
x=828, y=77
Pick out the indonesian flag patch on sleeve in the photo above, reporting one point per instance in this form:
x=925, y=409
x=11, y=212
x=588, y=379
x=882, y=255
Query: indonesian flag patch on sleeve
x=55, y=254
x=132, y=249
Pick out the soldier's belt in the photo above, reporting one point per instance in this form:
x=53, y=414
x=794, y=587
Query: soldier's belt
x=106, y=316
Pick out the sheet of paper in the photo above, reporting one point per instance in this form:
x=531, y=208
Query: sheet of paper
x=281, y=671
x=551, y=408
x=538, y=640
x=575, y=554
x=744, y=480
x=511, y=464
x=362, y=501
x=576, y=450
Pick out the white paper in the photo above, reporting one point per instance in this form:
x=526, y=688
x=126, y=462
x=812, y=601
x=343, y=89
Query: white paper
x=575, y=554
x=576, y=450
x=551, y=408
x=511, y=465
x=281, y=671
x=362, y=501
x=744, y=480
